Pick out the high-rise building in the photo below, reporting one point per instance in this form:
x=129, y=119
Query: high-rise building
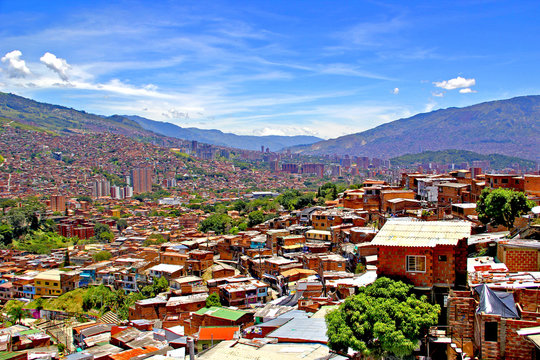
x=101, y=188
x=58, y=203
x=141, y=179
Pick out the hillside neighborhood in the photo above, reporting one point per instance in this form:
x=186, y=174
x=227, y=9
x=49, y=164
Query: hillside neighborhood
x=116, y=249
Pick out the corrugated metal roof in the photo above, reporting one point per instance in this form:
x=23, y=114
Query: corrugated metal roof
x=222, y=313
x=218, y=332
x=422, y=233
x=307, y=330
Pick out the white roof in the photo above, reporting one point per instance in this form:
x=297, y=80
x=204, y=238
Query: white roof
x=166, y=268
x=422, y=233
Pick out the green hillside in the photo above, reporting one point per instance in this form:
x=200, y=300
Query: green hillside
x=508, y=127
x=496, y=161
x=32, y=115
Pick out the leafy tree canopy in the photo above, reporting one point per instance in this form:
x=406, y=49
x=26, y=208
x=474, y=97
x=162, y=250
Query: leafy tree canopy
x=213, y=300
x=384, y=318
x=102, y=255
x=502, y=206
x=220, y=223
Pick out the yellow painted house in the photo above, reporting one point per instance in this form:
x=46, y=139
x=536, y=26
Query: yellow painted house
x=48, y=283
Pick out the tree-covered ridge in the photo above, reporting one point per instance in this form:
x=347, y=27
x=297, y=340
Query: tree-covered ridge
x=497, y=161
x=61, y=119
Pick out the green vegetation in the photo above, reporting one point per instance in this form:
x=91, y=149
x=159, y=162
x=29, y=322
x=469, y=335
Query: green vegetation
x=294, y=199
x=121, y=225
x=15, y=311
x=496, y=161
x=219, y=223
x=40, y=242
x=360, y=268
x=154, y=239
x=70, y=302
x=102, y=233
x=502, y=206
x=102, y=255
x=255, y=218
x=158, y=286
x=213, y=300
x=383, y=319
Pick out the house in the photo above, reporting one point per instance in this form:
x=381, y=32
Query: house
x=48, y=283
x=494, y=321
x=218, y=316
x=519, y=254
x=451, y=192
x=149, y=309
x=177, y=305
x=210, y=336
x=166, y=270
x=427, y=253
x=241, y=294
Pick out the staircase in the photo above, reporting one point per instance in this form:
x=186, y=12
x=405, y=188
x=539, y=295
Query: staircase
x=459, y=351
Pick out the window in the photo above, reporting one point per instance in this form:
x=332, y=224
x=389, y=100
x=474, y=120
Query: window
x=504, y=181
x=442, y=257
x=416, y=263
x=491, y=331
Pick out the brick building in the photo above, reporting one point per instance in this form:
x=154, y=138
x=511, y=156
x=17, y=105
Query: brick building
x=428, y=254
x=519, y=255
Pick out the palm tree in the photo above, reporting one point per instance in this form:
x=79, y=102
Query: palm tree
x=16, y=313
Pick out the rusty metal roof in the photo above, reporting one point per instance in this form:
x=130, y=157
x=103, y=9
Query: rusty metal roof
x=421, y=233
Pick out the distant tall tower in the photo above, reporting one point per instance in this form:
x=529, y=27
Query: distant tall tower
x=58, y=203
x=141, y=179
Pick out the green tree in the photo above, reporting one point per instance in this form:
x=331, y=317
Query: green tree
x=255, y=218
x=16, y=312
x=384, y=318
x=102, y=255
x=502, y=206
x=154, y=239
x=121, y=225
x=219, y=223
x=213, y=300
x=102, y=232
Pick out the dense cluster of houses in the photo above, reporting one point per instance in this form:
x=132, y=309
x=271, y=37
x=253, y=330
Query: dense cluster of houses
x=277, y=280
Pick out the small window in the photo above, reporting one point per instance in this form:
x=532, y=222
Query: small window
x=442, y=257
x=504, y=181
x=416, y=263
x=491, y=331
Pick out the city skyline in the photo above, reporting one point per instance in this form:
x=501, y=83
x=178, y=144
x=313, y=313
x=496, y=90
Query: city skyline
x=269, y=68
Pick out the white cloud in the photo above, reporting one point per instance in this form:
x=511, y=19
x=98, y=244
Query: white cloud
x=467, y=91
x=430, y=106
x=395, y=91
x=56, y=64
x=437, y=94
x=16, y=67
x=455, y=83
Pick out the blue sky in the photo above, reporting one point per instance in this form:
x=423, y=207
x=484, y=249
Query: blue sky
x=325, y=68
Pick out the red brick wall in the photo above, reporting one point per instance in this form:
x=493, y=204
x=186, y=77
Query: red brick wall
x=444, y=270
x=392, y=262
x=461, y=309
x=510, y=345
x=528, y=299
x=521, y=259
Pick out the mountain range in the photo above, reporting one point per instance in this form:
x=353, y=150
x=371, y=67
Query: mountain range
x=61, y=119
x=509, y=127
x=217, y=137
